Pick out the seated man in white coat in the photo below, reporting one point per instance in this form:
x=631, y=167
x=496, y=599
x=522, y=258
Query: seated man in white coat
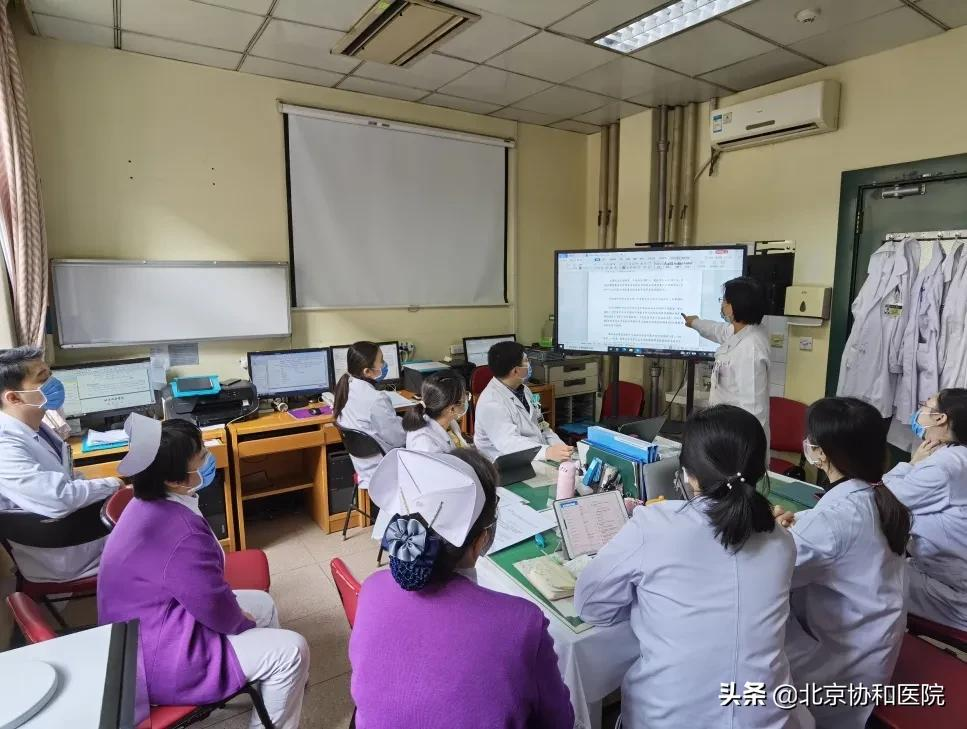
x=508, y=415
x=35, y=467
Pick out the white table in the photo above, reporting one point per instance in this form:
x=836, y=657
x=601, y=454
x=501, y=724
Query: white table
x=593, y=663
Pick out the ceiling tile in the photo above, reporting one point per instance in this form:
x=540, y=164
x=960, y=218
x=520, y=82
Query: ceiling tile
x=493, y=85
x=526, y=116
x=951, y=12
x=761, y=70
x=604, y=16
x=776, y=19
x=289, y=71
x=611, y=113
x=576, y=126
x=338, y=14
x=682, y=91
x=191, y=22
x=704, y=48
x=561, y=101
x=486, y=38
x=535, y=12
x=880, y=33
x=100, y=12
x=455, y=102
x=551, y=57
x=378, y=88
x=624, y=78
x=430, y=72
x=179, y=51
x=74, y=31
x=261, y=7
x=303, y=45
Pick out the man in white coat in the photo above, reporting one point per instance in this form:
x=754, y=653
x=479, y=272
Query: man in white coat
x=36, y=473
x=508, y=416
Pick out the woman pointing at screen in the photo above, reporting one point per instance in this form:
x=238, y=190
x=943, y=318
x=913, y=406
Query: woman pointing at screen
x=741, y=373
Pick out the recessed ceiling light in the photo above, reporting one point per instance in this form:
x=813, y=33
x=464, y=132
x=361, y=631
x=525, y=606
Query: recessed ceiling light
x=665, y=22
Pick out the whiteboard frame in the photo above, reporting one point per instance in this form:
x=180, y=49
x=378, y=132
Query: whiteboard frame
x=54, y=262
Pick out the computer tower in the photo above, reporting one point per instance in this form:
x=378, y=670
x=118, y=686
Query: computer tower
x=340, y=476
x=211, y=501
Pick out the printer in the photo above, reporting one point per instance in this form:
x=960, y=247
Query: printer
x=231, y=402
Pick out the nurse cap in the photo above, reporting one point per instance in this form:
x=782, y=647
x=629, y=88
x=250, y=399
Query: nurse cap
x=441, y=488
x=144, y=440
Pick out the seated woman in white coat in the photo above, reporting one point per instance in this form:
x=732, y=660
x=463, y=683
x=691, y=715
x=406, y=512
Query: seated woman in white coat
x=508, y=417
x=360, y=406
x=705, y=583
x=934, y=487
x=847, y=601
x=741, y=372
x=433, y=425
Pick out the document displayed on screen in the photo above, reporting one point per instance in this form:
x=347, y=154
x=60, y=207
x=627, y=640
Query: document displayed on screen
x=279, y=373
x=90, y=390
x=478, y=349
x=633, y=301
x=391, y=356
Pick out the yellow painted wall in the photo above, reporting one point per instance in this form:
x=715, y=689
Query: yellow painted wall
x=142, y=157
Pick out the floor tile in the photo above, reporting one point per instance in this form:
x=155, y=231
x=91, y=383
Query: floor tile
x=303, y=591
x=327, y=633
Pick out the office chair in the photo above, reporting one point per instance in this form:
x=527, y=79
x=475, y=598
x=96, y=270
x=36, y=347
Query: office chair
x=348, y=587
x=34, y=530
x=32, y=623
x=359, y=445
x=631, y=398
x=946, y=634
x=787, y=430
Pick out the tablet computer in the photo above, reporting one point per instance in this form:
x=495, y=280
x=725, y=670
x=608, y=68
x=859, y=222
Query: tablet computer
x=516, y=467
x=589, y=522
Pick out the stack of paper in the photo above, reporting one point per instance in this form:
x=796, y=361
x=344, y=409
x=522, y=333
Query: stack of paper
x=109, y=439
x=516, y=521
x=399, y=401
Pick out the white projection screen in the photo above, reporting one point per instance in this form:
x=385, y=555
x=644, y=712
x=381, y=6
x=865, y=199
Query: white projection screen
x=383, y=214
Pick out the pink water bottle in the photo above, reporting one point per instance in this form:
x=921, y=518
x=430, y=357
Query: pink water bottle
x=566, y=477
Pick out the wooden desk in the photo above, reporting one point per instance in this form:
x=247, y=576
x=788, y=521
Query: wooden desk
x=104, y=463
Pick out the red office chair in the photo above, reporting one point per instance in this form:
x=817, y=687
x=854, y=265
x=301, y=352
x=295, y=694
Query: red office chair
x=247, y=569
x=947, y=635
x=479, y=379
x=922, y=663
x=631, y=398
x=787, y=430
x=349, y=588
x=30, y=619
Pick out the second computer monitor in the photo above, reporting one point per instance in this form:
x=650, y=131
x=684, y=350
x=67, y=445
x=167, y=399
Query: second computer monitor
x=105, y=387
x=476, y=348
x=291, y=372
x=391, y=356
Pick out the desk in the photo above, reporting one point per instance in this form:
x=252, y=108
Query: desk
x=104, y=463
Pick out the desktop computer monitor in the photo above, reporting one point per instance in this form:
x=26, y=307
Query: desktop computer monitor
x=290, y=372
x=391, y=356
x=104, y=387
x=475, y=348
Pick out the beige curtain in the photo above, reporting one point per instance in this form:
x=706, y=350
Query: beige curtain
x=22, y=233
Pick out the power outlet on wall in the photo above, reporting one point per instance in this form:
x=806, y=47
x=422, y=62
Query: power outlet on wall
x=806, y=344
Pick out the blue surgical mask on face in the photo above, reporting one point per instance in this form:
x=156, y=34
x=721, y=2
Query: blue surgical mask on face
x=530, y=371
x=383, y=371
x=53, y=392
x=918, y=430
x=206, y=473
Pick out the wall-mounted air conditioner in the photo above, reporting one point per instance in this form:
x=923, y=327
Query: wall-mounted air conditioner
x=811, y=109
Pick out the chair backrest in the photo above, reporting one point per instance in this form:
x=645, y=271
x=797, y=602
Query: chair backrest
x=360, y=444
x=348, y=587
x=630, y=399
x=30, y=618
x=34, y=530
x=111, y=511
x=787, y=424
x=479, y=379
x=944, y=633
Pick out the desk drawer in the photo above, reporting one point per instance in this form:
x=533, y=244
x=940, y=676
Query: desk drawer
x=560, y=372
x=281, y=443
x=577, y=385
x=332, y=435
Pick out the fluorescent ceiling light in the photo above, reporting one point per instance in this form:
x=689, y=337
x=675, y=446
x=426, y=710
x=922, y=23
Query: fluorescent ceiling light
x=665, y=22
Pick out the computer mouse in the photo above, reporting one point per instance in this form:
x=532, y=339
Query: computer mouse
x=315, y=411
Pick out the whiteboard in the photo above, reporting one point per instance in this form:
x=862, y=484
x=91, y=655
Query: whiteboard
x=101, y=303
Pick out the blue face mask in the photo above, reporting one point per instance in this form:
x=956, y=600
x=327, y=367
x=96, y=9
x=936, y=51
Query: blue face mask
x=384, y=370
x=530, y=372
x=206, y=472
x=918, y=430
x=53, y=392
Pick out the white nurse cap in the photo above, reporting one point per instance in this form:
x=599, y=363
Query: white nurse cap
x=144, y=439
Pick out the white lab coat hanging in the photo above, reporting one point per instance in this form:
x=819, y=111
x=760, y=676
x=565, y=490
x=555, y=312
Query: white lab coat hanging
x=953, y=320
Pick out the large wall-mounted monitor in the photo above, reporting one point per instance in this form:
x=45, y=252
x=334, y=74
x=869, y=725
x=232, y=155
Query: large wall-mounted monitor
x=630, y=302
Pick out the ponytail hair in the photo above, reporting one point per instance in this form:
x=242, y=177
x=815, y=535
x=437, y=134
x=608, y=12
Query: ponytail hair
x=724, y=448
x=360, y=356
x=852, y=435
x=439, y=391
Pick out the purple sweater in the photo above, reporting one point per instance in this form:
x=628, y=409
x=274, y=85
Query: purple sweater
x=163, y=566
x=453, y=655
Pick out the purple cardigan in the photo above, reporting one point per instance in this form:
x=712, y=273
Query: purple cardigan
x=163, y=566
x=453, y=655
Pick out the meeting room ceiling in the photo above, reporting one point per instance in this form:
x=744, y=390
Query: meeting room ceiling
x=532, y=61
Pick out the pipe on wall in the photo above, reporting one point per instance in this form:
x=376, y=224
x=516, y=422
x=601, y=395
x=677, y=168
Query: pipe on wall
x=612, y=230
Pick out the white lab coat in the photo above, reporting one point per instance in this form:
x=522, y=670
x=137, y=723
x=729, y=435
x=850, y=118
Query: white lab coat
x=935, y=490
x=371, y=411
x=39, y=480
x=432, y=438
x=740, y=376
x=953, y=321
x=865, y=372
x=503, y=425
x=703, y=616
x=847, y=617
